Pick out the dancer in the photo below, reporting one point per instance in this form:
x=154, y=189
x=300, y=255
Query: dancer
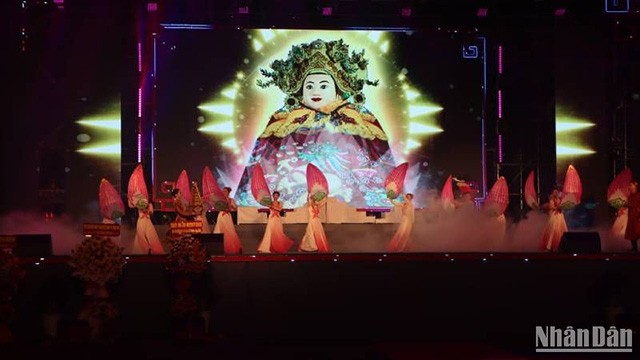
x=274, y=239
x=556, y=225
x=619, y=227
x=182, y=212
x=225, y=226
x=314, y=238
x=401, y=238
x=147, y=240
x=632, y=232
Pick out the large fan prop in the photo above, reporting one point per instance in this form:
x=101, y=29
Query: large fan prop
x=137, y=193
x=394, y=183
x=259, y=187
x=212, y=195
x=618, y=191
x=184, y=186
x=530, y=193
x=111, y=204
x=317, y=184
x=572, y=189
x=498, y=198
x=448, y=200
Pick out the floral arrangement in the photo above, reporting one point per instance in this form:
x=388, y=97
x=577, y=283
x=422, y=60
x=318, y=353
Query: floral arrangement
x=97, y=261
x=186, y=256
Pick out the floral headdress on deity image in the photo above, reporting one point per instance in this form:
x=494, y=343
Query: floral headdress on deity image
x=327, y=57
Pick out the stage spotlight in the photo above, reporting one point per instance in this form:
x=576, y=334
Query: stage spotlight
x=405, y=12
x=560, y=12
x=327, y=11
x=152, y=6
x=564, y=150
x=482, y=12
x=243, y=10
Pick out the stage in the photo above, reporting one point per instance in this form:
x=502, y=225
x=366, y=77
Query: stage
x=422, y=297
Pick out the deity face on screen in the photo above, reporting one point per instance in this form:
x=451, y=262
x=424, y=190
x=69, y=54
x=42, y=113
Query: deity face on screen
x=318, y=90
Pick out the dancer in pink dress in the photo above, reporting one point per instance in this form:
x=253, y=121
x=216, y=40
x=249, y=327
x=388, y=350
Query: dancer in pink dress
x=225, y=226
x=402, y=236
x=314, y=238
x=274, y=239
x=147, y=240
x=556, y=225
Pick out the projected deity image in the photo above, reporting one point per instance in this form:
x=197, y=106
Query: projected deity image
x=323, y=122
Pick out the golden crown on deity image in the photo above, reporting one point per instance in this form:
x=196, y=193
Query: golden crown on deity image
x=319, y=56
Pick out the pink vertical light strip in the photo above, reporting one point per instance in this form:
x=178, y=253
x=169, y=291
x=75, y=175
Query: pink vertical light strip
x=139, y=147
x=140, y=102
x=499, y=104
x=500, y=59
x=139, y=57
x=500, y=148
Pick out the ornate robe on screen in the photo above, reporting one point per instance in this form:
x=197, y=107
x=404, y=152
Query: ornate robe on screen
x=345, y=141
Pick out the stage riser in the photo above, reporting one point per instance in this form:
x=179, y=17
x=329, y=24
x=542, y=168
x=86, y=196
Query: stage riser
x=359, y=300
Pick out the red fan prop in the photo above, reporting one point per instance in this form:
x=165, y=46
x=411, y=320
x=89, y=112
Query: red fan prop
x=572, y=189
x=448, y=200
x=618, y=191
x=259, y=187
x=111, y=204
x=530, y=193
x=137, y=193
x=184, y=186
x=317, y=184
x=212, y=195
x=394, y=183
x=498, y=197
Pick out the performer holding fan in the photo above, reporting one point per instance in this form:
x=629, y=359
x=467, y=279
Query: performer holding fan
x=147, y=240
x=393, y=186
x=274, y=239
x=314, y=238
x=219, y=200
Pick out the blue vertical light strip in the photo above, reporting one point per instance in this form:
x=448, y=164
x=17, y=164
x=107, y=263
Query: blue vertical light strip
x=484, y=105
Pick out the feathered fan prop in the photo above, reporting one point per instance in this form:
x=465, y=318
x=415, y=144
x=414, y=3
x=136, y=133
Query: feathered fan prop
x=498, y=197
x=394, y=183
x=212, y=195
x=137, y=193
x=448, y=200
x=111, y=204
x=618, y=191
x=259, y=187
x=530, y=193
x=317, y=184
x=184, y=186
x=572, y=189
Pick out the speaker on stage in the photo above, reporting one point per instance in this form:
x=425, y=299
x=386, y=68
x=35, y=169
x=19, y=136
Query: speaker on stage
x=580, y=242
x=214, y=243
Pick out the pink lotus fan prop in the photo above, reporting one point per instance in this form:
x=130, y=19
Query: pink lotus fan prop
x=212, y=195
x=137, y=193
x=448, y=200
x=259, y=188
x=618, y=191
x=184, y=186
x=530, y=193
x=498, y=197
x=111, y=204
x=572, y=189
x=317, y=184
x=394, y=183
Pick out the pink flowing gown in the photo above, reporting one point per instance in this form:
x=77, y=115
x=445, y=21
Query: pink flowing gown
x=314, y=238
x=225, y=226
x=147, y=240
x=274, y=239
x=401, y=238
x=556, y=227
